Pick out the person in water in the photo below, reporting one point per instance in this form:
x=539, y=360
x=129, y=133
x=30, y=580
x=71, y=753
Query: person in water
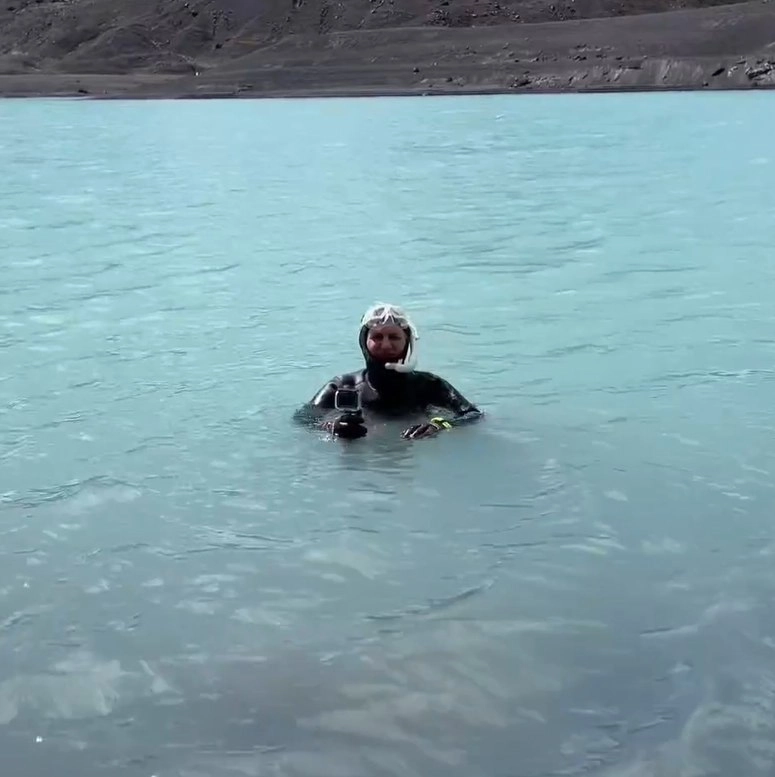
x=389, y=385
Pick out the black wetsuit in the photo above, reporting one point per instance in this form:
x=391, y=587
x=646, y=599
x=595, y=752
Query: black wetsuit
x=392, y=394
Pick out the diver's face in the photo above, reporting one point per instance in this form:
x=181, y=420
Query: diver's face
x=386, y=343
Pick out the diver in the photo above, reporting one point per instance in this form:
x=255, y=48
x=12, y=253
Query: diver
x=388, y=386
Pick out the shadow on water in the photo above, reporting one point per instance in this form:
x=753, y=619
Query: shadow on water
x=381, y=451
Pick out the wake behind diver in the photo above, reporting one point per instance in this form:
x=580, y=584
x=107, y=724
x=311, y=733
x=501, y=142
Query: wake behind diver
x=388, y=386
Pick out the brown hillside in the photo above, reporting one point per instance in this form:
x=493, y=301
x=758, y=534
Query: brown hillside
x=115, y=36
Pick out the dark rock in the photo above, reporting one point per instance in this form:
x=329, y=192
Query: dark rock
x=758, y=71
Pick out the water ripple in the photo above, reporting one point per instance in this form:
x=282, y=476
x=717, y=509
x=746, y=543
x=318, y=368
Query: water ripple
x=585, y=579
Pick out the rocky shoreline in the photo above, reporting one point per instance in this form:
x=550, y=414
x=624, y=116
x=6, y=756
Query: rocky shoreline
x=716, y=48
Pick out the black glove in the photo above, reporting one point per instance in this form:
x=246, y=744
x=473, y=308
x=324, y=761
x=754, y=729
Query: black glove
x=420, y=430
x=426, y=430
x=349, y=426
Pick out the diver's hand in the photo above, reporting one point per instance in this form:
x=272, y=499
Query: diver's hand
x=430, y=429
x=334, y=423
x=349, y=426
x=420, y=430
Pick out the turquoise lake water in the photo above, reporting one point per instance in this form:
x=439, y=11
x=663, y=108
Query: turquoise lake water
x=582, y=584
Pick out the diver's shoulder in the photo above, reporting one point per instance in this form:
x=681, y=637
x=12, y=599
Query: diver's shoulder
x=426, y=376
x=356, y=376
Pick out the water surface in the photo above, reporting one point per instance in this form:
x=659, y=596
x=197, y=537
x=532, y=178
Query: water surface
x=582, y=584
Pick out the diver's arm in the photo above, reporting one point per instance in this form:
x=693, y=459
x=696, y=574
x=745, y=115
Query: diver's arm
x=314, y=412
x=447, y=397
